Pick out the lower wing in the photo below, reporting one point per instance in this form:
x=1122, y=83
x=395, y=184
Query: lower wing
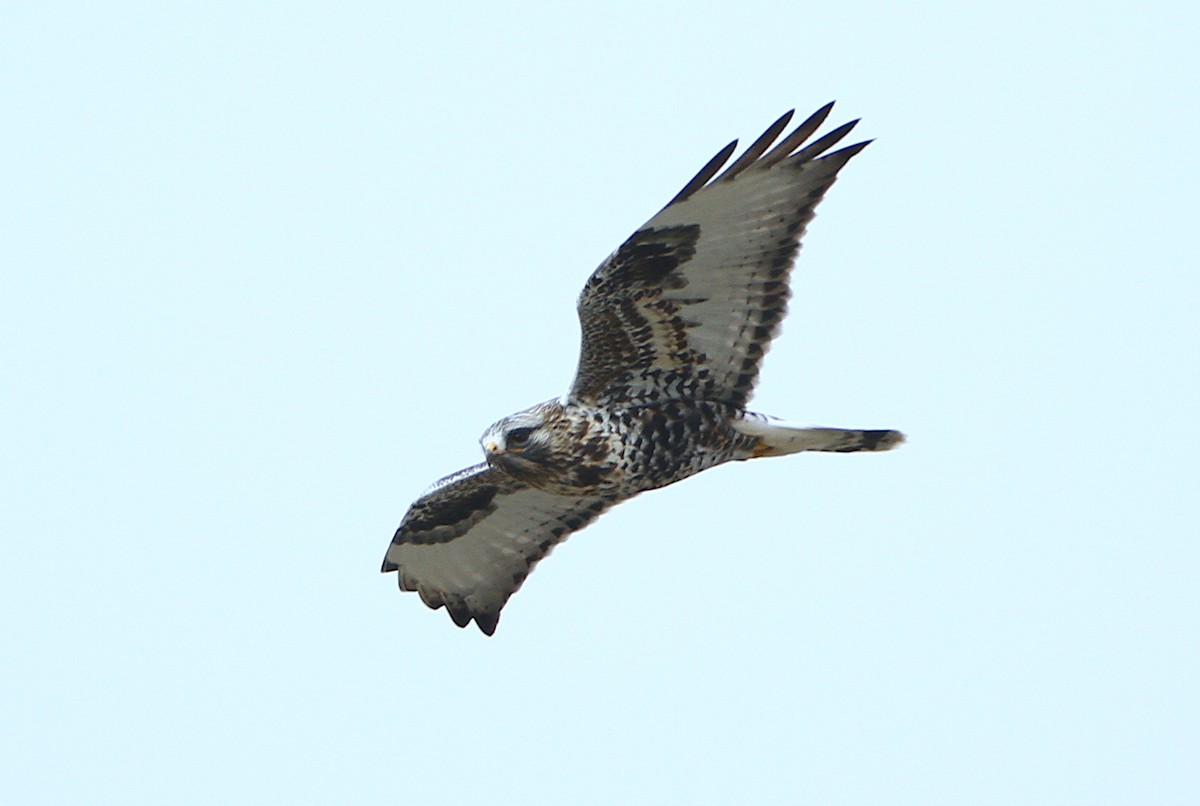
x=468, y=543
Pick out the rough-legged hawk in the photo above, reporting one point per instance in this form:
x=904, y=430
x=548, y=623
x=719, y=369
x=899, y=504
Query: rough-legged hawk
x=675, y=324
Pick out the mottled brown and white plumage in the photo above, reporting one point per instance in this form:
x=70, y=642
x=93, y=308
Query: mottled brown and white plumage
x=675, y=324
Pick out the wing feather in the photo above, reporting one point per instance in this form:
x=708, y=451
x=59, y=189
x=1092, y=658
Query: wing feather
x=687, y=306
x=706, y=173
x=794, y=140
x=757, y=148
x=468, y=543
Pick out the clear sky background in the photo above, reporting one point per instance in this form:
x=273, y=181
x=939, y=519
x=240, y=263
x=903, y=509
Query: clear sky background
x=268, y=270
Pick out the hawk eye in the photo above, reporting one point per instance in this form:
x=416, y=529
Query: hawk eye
x=518, y=437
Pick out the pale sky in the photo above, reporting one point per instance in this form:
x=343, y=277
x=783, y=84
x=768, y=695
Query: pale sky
x=268, y=270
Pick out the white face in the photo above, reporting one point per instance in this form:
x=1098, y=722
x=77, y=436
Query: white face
x=512, y=435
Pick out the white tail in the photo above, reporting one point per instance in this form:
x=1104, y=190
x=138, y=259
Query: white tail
x=776, y=438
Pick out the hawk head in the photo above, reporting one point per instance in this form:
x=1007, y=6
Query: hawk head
x=523, y=444
x=552, y=447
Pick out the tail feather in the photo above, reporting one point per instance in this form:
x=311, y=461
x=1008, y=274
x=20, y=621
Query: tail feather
x=779, y=439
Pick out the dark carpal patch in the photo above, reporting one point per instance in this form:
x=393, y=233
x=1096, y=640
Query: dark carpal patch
x=650, y=257
x=447, y=519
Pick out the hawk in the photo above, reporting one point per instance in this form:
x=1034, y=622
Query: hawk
x=675, y=324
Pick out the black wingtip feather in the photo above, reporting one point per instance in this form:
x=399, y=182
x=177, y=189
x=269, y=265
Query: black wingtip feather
x=459, y=615
x=706, y=173
x=874, y=440
x=757, y=148
x=487, y=622
x=818, y=146
x=843, y=155
x=798, y=136
x=757, y=153
x=388, y=566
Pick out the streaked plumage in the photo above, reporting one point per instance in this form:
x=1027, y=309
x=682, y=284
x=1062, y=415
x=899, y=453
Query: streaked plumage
x=675, y=324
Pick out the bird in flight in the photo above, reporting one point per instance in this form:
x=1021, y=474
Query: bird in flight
x=675, y=323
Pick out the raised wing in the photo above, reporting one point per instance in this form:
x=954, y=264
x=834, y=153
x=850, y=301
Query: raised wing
x=468, y=543
x=688, y=305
